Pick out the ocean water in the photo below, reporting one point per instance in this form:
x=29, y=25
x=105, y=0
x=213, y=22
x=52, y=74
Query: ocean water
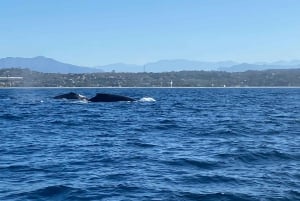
x=189, y=144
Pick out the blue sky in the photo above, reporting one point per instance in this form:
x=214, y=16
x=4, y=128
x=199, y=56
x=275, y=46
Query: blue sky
x=97, y=32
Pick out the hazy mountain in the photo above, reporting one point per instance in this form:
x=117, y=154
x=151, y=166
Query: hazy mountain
x=182, y=64
x=246, y=66
x=281, y=63
x=121, y=67
x=44, y=64
x=48, y=65
x=167, y=66
x=189, y=65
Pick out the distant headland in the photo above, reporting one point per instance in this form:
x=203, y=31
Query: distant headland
x=19, y=77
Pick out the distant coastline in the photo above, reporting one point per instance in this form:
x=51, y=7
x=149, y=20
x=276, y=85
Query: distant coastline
x=262, y=87
x=285, y=78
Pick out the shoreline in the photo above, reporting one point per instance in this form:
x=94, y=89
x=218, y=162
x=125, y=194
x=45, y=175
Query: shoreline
x=260, y=87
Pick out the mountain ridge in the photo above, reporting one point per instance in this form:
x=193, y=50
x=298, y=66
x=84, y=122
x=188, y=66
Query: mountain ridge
x=49, y=65
x=44, y=64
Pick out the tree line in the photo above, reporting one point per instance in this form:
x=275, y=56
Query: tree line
x=266, y=78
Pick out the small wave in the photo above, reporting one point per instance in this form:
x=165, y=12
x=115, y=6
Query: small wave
x=167, y=124
x=273, y=156
x=147, y=99
x=52, y=190
x=215, y=196
x=200, y=164
x=126, y=187
x=10, y=117
x=76, y=101
x=56, y=192
x=142, y=145
x=294, y=195
x=19, y=168
x=82, y=102
x=258, y=157
x=193, y=163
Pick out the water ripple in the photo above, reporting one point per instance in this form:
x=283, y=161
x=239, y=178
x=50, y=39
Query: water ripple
x=190, y=144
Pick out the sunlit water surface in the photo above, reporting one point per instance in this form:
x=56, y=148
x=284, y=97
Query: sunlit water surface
x=189, y=144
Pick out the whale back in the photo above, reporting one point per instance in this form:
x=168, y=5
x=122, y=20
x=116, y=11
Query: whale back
x=101, y=97
x=71, y=95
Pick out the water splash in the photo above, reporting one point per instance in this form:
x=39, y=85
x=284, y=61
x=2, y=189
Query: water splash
x=147, y=99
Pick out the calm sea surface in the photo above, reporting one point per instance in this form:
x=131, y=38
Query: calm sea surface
x=190, y=144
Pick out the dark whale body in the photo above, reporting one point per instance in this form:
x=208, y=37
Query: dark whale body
x=109, y=98
x=72, y=96
x=98, y=98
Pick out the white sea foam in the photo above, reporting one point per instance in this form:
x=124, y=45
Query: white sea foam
x=81, y=96
x=147, y=99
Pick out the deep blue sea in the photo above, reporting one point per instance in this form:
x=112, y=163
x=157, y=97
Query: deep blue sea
x=190, y=144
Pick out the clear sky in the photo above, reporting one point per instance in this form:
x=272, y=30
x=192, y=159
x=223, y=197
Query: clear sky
x=97, y=32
